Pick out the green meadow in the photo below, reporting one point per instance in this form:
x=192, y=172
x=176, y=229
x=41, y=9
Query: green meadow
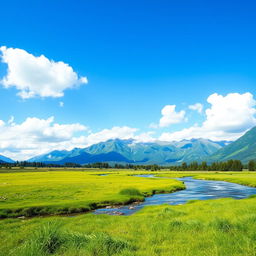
x=222, y=227
x=64, y=192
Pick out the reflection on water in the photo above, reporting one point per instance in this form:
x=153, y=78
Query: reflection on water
x=195, y=190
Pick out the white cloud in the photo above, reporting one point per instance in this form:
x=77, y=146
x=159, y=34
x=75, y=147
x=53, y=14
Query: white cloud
x=199, y=132
x=232, y=113
x=115, y=132
x=37, y=136
x=170, y=116
x=145, y=137
x=227, y=119
x=196, y=107
x=124, y=132
x=37, y=76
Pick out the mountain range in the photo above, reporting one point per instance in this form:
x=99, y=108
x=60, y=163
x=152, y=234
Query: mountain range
x=4, y=159
x=162, y=153
x=132, y=152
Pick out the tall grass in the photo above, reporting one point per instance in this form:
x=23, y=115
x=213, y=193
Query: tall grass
x=51, y=239
x=45, y=240
x=223, y=227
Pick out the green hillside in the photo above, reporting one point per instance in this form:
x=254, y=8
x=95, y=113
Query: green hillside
x=243, y=149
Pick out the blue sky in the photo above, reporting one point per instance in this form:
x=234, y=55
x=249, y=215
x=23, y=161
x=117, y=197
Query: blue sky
x=138, y=57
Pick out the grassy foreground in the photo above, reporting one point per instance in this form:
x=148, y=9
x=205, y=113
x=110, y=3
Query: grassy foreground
x=223, y=227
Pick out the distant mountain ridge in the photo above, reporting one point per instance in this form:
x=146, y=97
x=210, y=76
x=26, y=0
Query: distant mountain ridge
x=4, y=159
x=162, y=153
x=132, y=152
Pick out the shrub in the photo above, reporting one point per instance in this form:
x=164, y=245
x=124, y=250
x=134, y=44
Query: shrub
x=130, y=192
x=192, y=201
x=105, y=245
x=222, y=225
x=175, y=224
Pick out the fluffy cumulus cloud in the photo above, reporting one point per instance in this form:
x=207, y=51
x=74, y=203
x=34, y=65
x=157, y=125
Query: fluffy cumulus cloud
x=232, y=113
x=37, y=76
x=37, y=136
x=171, y=116
x=124, y=132
x=196, y=107
x=145, y=137
x=227, y=118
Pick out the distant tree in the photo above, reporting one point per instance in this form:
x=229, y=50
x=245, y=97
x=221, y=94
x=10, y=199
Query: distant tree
x=224, y=167
x=203, y=166
x=193, y=166
x=214, y=166
x=184, y=166
x=251, y=165
x=155, y=167
x=237, y=166
x=230, y=165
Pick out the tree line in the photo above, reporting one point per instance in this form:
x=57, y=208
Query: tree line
x=230, y=165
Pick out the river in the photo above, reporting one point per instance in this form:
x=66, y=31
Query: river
x=195, y=190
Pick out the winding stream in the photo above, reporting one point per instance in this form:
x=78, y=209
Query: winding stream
x=195, y=190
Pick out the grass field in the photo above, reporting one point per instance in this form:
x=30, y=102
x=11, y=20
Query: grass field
x=223, y=227
x=64, y=192
x=243, y=178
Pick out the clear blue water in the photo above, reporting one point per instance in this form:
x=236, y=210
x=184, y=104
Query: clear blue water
x=195, y=190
